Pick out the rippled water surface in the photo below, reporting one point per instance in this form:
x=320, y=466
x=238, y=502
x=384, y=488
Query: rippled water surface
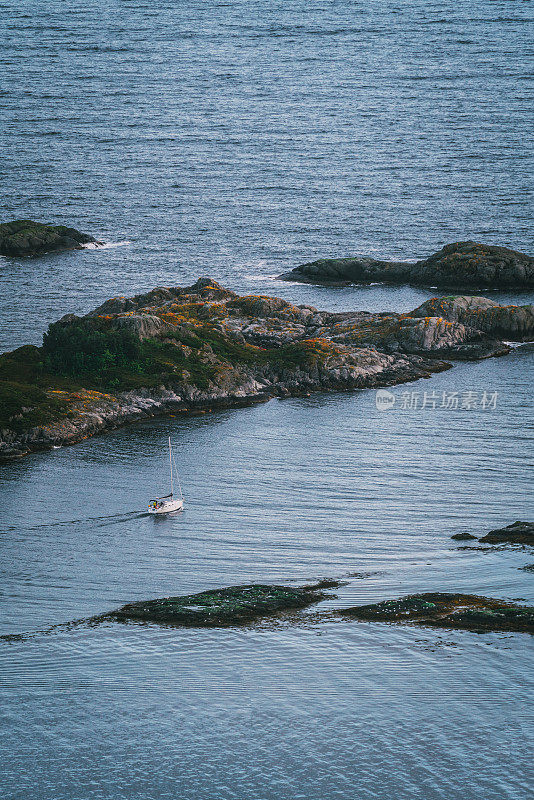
x=236, y=140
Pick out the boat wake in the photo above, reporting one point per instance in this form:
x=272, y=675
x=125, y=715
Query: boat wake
x=106, y=519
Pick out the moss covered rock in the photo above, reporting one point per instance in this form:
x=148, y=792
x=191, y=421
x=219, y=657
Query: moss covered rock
x=446, y=610
x=472, y=264
x=461, y=265
x=24, y=237
x=235, y=605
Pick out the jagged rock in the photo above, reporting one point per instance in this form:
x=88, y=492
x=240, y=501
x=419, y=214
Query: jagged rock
x=203, y=290
x=446, y=610
x=463, y=537
x=144, y=326
x=461, y=265
x=24, y=237
x=517, y=533
x=235, y=605
x=513, y=322
x=408, y=333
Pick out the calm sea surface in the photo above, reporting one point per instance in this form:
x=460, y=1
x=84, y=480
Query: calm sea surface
x=237, y=140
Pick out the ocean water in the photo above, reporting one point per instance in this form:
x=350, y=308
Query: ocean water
x=238, y=139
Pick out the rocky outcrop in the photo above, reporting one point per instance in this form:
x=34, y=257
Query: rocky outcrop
x=24, y=237
x=143, y=326
x=204, y=290
x=338, y=271
x=463, y=537
x=517, y=533
x=182, y=349
x=444, y=610
x=216, y=608
x=429, y=335
x=515, y=323
x=459, y=266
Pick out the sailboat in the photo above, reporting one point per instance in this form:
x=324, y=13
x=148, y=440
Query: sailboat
x=168, y=504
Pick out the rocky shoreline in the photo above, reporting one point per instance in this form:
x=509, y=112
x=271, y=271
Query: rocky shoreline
x=260, y=604
x=459, y=266
x=197, y=348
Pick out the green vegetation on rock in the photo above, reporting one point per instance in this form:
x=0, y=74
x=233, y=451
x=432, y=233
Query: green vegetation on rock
x=240, y=605
x=193, y=348
x=447, y=610
x=87, y=348
x=25, y=237
x=235, y=605
x=23, y=406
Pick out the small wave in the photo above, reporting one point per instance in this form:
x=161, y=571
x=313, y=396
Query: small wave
x=262, y=277
x=284, y=282
x=105, y=245
x=515, y=345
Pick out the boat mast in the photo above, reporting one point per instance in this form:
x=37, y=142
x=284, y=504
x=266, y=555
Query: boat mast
x=170, y=465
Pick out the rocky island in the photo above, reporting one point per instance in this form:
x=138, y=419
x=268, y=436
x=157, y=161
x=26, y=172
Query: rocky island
x=448, y=610
x=459, y=266
x=24, y=237
x=233, y=605
x=246, y=605
x=203, y=346
x=255, y=604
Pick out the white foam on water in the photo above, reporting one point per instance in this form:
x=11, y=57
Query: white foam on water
x=263, y=278
x=515, y=345
x=105, y=245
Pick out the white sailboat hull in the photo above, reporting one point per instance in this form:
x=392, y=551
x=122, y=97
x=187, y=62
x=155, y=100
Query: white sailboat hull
x=167, y=504
x=166, y=507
